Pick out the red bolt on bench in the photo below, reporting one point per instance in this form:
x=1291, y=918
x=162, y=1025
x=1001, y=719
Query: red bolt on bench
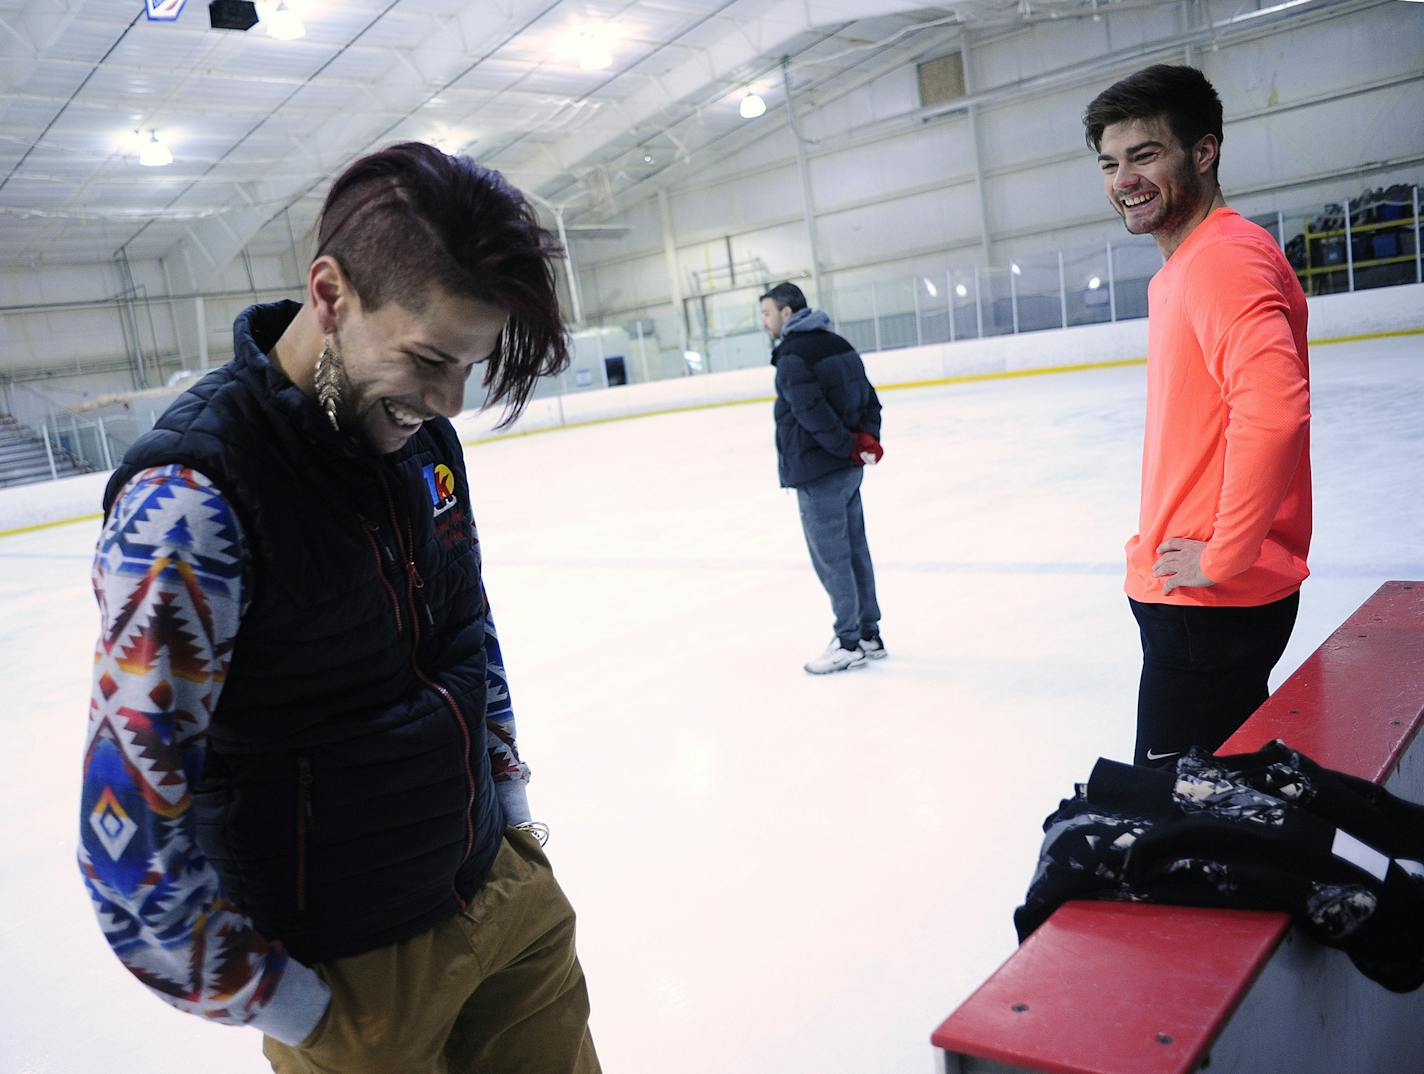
x=1135, y=988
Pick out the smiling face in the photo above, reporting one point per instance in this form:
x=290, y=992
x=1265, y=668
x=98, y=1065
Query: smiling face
x=1158, y=186
x=399, y=368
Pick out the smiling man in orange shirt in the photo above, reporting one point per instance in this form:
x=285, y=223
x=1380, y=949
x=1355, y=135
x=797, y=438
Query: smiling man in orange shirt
x=1214, y=571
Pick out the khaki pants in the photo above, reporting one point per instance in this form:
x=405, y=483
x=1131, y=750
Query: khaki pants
x=496, y=988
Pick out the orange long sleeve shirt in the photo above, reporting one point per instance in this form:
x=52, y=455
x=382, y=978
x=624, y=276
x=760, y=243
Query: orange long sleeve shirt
x=1226, y=457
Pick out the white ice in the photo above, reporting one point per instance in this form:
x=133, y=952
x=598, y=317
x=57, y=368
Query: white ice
x=774, y=873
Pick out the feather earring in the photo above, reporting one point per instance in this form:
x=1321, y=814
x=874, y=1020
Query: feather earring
x=328, y=383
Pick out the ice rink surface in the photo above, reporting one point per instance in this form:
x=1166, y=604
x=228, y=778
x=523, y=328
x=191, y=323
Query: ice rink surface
x=774, y=873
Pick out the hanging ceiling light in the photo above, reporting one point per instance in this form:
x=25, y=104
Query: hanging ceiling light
x=752, y=106
x=284, y=24
x=961, y=290
x=587, y=42
x=450, y=142
x=647, y=158
x=596, y=58
x=595, y=48
x=153, y=153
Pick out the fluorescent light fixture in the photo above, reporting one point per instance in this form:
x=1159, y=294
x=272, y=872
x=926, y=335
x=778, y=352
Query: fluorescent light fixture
x=596, y=58
x=595, y=47
x=960, y=290
x=1095, y=283
x=449, y=142
x=284, y=24
x=153, y=153
x=587, y=42
x=930, y=287
x=752, y=106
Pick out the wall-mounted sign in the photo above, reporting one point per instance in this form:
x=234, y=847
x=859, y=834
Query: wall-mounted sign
x=163, y=10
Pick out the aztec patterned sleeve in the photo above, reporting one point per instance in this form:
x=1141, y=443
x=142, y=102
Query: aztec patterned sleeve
x=168, y=576
x=510, y=773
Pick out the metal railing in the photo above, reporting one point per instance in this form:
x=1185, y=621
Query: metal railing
x=1372, y=241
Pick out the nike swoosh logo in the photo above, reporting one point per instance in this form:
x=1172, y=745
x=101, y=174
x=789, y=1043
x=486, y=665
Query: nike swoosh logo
x=1160, y=756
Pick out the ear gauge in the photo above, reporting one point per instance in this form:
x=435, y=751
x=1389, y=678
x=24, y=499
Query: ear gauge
x=328, y=383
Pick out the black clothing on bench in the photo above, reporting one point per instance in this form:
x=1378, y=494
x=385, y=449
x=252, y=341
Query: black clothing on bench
x=1270, y=830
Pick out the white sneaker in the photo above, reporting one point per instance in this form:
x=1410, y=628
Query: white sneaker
x=873, y=648
x=836, y=659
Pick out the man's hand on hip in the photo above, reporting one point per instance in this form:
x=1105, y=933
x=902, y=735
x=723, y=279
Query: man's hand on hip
x=1179, y=561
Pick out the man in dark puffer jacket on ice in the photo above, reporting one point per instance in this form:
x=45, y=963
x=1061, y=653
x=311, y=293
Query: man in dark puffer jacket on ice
x=827, y=431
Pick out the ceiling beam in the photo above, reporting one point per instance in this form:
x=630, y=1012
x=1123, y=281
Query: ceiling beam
x=817, y=95
x=758, y=29
x=25, y=37
x=411, y=81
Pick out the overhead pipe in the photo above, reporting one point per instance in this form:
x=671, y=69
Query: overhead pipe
x=128, y=314
x=558, y=211
x=105, y=303
x=981, y=189
x=808, y=208
x=674, y=273
x=1002, y=94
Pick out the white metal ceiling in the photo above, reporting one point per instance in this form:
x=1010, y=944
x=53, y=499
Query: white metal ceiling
x=258, y=126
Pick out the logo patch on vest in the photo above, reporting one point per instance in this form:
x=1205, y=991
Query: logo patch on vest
x=440, y=482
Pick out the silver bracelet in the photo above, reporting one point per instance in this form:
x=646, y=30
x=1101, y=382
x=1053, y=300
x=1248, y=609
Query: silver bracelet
x=538, y=829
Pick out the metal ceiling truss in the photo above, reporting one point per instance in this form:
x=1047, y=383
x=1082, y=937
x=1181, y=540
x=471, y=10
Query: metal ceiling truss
x=269, y=123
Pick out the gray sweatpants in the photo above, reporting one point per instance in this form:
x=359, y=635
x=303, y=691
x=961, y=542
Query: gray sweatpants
x=834, y=524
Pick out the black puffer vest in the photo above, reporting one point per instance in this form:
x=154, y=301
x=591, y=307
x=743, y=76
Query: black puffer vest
x=346, y=798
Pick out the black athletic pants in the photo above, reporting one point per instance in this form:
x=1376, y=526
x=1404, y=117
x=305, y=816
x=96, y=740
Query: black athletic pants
x=1204, y=672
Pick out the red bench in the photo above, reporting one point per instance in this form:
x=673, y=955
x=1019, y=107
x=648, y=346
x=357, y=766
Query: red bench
x=1133, y=988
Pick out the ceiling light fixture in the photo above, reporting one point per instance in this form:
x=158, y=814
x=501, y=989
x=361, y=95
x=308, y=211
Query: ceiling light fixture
x=587, y=42
x=596, y=58
x=153, y=153
x=595, y=48
x=1094, y=283
x=647, y=158
x=450, y=142
x=960, y=290
x=1014, y=268
x=931, y=288
x=752, y=106
x=284, y=24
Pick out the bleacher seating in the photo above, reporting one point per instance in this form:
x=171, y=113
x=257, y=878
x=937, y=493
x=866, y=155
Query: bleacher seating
x=23, y=458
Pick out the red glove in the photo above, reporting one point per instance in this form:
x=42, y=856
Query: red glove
x=867, y=450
